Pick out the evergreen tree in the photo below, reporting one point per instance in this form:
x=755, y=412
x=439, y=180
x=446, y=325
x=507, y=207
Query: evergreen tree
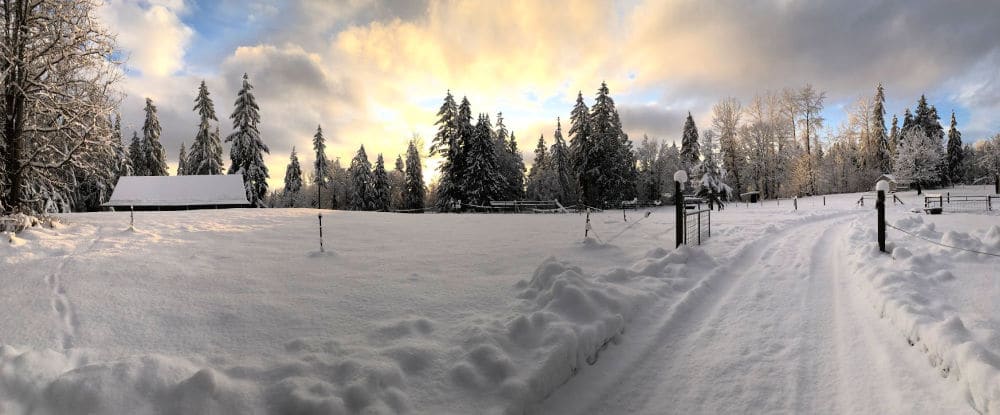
x=612, y=151
x=447, y=143
x=320, y=166
x=516, y=178
x=414, y=179
x=123, y=160
x=483, y=182
x=182, y=162
x=137, y=155
x=505, y=159
x=247, y=151
x=585, y=169
x=397, y=180
x=907, y=123
x=341, y=189
x=880, y=138
x=293, y=176
x=690, y=148
x=538, y=164
x=543, y=179
x=447, y=124
x=893, y=137
x=206, y=151
x=380, y=186
x=155, y=158
x=361, y=178
x=954, y=151
x=562, y=166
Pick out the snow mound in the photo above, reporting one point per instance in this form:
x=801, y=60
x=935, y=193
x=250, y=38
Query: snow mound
x=564, y=321
x=323, y=380
x=907, y=291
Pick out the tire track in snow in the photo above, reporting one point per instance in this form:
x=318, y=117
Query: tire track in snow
x=67, y=319
x=777, y=329
x=618, y=384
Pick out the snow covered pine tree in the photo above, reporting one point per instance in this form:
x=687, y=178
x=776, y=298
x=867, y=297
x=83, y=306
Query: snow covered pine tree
x=247, y=152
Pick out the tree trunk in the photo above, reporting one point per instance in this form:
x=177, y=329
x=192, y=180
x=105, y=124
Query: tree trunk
x=13, y=96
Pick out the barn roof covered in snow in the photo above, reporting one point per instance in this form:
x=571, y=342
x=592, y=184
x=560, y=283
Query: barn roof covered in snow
x=179, y=191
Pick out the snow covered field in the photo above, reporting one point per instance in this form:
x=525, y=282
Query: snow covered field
x=234, y=311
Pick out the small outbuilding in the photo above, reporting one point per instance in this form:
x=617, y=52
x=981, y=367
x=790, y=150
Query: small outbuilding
x=894, y=184
x=179, y=192
x=750, y=197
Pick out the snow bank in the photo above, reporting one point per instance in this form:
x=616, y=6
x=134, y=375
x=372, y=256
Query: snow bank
x=565, y=320
x=318, y=382
x=910, y=288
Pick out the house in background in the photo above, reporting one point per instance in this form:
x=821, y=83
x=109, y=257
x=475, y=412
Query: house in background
x=179, y=192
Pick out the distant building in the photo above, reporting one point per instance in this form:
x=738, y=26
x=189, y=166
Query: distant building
x=894, y=184
x=179, y=192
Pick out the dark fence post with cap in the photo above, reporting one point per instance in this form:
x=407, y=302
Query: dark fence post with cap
x=679, y=178
x=320, y=215
x=880, y=188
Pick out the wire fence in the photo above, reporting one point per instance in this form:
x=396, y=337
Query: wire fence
x=697, y=226
x=943, y=244
x=961, y=202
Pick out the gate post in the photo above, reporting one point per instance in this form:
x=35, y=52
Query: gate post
x=679, y=219
x=679, y=178
x=881, y=187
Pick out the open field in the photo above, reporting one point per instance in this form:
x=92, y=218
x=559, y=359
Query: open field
x=237, y=311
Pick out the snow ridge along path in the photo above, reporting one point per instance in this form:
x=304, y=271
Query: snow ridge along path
x=770, y=331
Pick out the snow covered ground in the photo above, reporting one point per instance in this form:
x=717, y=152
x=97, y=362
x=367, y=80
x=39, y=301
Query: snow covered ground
x=235, y=311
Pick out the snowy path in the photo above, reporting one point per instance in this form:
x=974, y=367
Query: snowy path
x=773, y=331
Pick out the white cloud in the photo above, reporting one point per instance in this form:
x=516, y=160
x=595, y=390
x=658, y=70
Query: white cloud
x=153, y=34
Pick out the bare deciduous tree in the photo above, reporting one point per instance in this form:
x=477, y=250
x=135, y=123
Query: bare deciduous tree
x=58, y=75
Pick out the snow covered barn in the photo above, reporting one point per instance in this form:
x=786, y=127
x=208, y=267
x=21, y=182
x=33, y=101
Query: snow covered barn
x=179, y=192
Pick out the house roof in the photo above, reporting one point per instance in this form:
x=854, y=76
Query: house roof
x=179, y=191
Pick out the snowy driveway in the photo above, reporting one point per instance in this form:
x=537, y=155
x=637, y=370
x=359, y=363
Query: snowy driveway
x=781, y=328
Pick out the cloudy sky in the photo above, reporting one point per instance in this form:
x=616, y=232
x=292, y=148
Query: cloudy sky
x=375, y=72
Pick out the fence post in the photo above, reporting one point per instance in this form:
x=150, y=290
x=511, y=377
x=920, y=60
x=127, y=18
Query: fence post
x=586, y=227
x=949, y=197
x=679, y=219
x=795, y=202
x=881, y=187
x=131, y=217
x=320, y=215
x=824, y=200
x=710, y=224
x=699, y=227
